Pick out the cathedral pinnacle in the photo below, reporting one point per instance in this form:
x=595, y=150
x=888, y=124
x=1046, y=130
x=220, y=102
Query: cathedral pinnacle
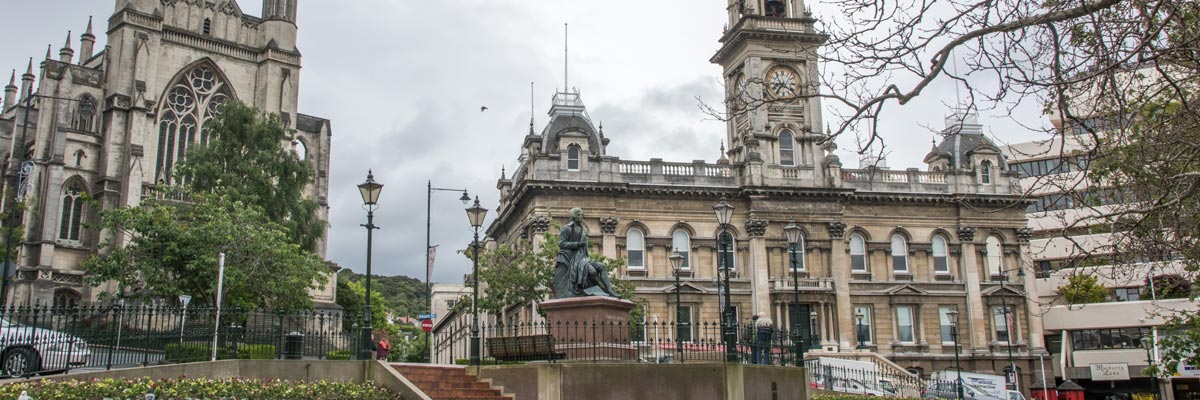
x=12, y=80
x=48, y=47
x=29, y=69
x=89, y=28
x=66, y=53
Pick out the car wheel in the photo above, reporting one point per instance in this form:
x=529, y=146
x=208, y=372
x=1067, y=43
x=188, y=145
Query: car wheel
x=21, y=361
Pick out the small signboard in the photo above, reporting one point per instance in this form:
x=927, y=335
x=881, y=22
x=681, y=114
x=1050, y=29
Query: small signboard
x=1110, y=372
x=426, y=316
x=427, y=325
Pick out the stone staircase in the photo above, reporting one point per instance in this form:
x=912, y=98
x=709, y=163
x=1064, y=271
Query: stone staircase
x=448, y=382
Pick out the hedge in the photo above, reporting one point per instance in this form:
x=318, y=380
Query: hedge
x=170, y=389
x=191, y=352
x=847, y=396
x=338, y=355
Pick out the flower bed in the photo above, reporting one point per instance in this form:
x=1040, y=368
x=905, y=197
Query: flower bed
x=194, y=389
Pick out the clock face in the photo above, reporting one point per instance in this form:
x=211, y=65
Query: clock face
x=783, y=82
x=742, y=92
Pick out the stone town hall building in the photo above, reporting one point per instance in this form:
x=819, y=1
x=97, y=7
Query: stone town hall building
x=902, y=248
x=112, y=122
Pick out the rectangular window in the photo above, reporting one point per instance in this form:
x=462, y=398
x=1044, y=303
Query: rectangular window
x=683, y=328
x=1000, y=323
x=863, y=325
x=1127, y=294
x=944, y=320
x=1109, y=339
x=905, y=331
x=858, y=263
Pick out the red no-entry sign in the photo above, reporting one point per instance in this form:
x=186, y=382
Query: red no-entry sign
x=427, y=325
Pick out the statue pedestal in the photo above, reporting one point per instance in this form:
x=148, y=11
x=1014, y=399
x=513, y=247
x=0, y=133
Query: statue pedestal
x=591, y=328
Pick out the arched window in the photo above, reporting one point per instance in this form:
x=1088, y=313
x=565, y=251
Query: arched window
x=79, y=156
x=787, y=149
x=799, y=251
x=300, y=149
x=573, y=157
x=635, y=248
x=985, y=172
x=66, y=298
x=899, y=253
x=681, y=243
x=188, y=106
x=995, y=256
x=775, y=8
x=858, y=253
x=85, y=114
x=725, y=252
x=72, y=212
x=207, y=26
x=941, y=256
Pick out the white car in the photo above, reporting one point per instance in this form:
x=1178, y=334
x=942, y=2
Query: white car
x=27, y=350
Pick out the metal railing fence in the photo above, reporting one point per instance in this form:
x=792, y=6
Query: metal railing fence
x=41, y=339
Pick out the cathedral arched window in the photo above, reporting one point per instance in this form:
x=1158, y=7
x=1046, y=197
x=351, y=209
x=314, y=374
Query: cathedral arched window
x=71, y=218
x=66, y=298
x=85, y=114
x=191, y=102
x=985, y=172
x=300, y=149
x=787, y=149
x=573, y=157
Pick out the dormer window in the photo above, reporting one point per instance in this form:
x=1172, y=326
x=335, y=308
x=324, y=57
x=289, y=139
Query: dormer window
x=573, y=157
x=985, y=172
x=775, y=8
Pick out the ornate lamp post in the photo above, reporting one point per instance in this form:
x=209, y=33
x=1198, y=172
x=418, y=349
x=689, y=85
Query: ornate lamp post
x=676, y=266
x=1010, y=378
x=370, y=197
x=724, y=213
x=862, y=331
x=952, y=315
x=793, y=238
x=1148, y=344
x=476, y=215
x=465, y=199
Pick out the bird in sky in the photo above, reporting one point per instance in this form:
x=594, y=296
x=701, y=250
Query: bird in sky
x=482, y=109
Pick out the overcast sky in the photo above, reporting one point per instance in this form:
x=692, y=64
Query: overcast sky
x=403, y=82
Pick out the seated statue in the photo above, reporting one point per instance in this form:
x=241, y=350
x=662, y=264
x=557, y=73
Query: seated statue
x=576, y=275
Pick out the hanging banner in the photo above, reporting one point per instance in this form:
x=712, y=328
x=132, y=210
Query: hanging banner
x=429, y=260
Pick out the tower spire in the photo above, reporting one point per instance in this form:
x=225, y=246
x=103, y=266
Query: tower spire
x=87, y=43
x=10, y=91
x=531, y=109
x=66, y=53
x=27, y=80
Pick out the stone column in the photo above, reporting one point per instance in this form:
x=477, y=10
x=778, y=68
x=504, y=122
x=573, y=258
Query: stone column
x=977, y=323
x=759, y=274
x=839, y=266
x=537, y=226
x=1032, y=309
x=608, y=245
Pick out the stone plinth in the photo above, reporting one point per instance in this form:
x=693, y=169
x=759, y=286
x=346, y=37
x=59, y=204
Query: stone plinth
x=591, y=328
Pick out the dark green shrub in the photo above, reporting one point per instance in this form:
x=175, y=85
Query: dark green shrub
x=338, y=355
x=193, y=352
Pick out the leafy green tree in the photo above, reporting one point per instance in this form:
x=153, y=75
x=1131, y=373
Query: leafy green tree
x=172, y=249
x=351, y=296
x=1169, y=286
x=403, y=295
x=1083, y=289
x=246, y=158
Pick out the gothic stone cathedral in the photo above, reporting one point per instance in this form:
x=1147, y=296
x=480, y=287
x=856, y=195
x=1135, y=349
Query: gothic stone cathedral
x=901, y=249
x=112, y=123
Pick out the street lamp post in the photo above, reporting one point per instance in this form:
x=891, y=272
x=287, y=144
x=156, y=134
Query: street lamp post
x=724, y=212
x=370, y=196
x=1010, y=378
x=862, y=331
x=952, y=315
x=1148, y=344
x=476, y=214
x=466, y=199
x=793, y=238
x=676, y=266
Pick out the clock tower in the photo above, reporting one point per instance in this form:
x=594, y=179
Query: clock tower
x=769, y=58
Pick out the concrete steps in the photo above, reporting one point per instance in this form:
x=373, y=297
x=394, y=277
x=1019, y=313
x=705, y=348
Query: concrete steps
x=448, y=382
